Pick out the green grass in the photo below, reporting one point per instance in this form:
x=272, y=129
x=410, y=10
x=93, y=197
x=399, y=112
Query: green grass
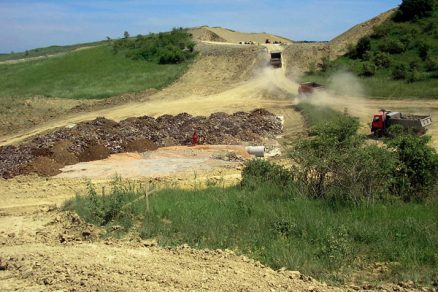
x=46, y=51
x=90, y=73
x=281, y=229
x=316, y=115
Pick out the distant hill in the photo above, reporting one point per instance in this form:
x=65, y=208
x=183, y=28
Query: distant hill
x=219, y=34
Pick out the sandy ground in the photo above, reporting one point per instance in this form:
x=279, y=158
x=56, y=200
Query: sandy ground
x=46, y=249
x=164, y=162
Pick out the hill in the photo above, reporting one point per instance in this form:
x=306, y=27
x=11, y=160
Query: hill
x=399, y=58
x=219, y=34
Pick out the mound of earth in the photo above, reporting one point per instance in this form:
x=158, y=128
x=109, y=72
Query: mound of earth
x=219, y=34
x=97, y=139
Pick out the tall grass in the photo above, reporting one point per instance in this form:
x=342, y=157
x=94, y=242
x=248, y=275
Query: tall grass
x=91, y=73
x=283, y=229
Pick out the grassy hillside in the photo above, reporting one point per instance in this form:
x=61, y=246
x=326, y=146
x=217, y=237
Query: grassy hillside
x=91, y=73
x=46, y=51
x=400, y=59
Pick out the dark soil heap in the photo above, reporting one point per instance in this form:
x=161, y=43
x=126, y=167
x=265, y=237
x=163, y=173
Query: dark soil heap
x=97, y=139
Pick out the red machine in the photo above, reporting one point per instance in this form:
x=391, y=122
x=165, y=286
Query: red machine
x=309, y=88
x=384, y=119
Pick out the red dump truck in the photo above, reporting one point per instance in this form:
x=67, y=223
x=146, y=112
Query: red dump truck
x=308, y=88
x=384, y=119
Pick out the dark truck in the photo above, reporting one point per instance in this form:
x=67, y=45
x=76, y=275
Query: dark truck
x=384, y=119
x=276, y=59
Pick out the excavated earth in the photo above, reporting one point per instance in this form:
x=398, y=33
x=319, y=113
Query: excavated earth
x=97, y=139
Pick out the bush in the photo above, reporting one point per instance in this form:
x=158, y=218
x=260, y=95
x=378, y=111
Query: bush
x=382, y=60
x=257, y=170
x=334, y=164
x=414, y=9
x=431, y=64
x=392, y=46
x=400, y=71
x=363, y=46
x=163, y=48
x=417, y=171
x=368, y=69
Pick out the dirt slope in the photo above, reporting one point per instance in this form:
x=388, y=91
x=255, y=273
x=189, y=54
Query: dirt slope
x=45, y=249
x=300, y=56
x=340, y=43
x=219, y=34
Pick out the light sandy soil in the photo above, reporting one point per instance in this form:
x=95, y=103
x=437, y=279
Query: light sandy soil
x=46, y=249
x=165, y=162
x=219, y=34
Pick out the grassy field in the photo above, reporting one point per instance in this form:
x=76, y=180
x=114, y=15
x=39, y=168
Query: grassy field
x=277, y=226
x=46, y=51
x=90, y=73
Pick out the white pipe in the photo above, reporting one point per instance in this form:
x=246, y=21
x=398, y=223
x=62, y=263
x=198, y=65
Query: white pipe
x=257, y=151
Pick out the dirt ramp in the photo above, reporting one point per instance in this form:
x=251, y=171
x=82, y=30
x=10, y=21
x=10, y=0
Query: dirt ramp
x=216, y=69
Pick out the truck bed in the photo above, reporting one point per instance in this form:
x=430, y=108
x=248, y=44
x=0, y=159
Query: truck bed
x=416, y=122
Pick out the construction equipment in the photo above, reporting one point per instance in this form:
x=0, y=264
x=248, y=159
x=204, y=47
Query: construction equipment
x=276, y=59
x=384, y=119
x=309, y=88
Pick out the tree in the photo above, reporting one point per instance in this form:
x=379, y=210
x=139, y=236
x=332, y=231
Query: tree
x=414, y=9
x=126, y=35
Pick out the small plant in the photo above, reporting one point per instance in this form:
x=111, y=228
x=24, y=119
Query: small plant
x=368, y=69
x=400, y=71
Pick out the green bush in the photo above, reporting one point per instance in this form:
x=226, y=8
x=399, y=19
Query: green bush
x=164, y=48
x=400, y=71
x=392, y=46
x=417, y=172
x=258, y=170
x=336, y=165
x=382, y=60
x=414, y=9
x=368, y=69
x=363, y=46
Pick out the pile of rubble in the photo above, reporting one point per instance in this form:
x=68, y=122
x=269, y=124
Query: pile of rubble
x=99, y=138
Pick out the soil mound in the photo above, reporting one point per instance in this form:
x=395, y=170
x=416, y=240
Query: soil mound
x=140, y=145
x=43, y=166
x=94, y=152
x=97, y=139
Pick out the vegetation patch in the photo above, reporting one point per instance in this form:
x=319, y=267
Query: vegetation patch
x=102, y=71
x=343, y=207
x=400, y=59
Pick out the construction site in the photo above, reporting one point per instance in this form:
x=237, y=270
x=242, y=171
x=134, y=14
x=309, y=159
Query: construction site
x=239, y=93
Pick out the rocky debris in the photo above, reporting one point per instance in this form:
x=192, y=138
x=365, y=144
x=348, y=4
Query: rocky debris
x=3, y=265
x=97, y=139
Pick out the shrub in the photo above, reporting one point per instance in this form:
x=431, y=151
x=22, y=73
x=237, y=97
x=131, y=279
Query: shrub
x=334, y=164
x=414, y=9
x=392, y=46
x=423, y=50
x=382, y=60
x=368, y=69
x=417, y=171
x=258, y=170
x=163, y=48
x=363, y=46
x=431, y=64
x=400, y=71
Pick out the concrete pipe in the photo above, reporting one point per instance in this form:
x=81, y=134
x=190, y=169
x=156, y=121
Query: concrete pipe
x=257, y=151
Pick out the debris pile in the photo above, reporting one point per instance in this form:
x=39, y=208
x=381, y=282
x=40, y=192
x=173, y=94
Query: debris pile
x=97, y=139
